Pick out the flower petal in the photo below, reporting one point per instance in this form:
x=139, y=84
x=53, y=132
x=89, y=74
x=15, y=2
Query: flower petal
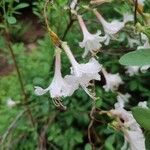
x=40, y=91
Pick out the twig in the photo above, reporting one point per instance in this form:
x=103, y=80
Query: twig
x=8, y=40
x=91, y=125
x=92, y=118
x=68, y=28
x=135, y=11
x=55, y=39
x=74, y=3
x=20, y=80
x=12, y=125
x=42, y=138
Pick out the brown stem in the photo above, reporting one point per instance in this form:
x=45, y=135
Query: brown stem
x=42, y=136
x=135, y=11
x=91, y=125
x=68, y=28
x=19, y=77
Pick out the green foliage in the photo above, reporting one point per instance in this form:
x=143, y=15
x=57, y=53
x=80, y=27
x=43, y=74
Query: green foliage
x=142, y=115
x=64, y=130
x=136, y=58
x=11, y=20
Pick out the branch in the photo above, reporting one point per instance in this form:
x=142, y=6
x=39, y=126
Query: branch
x=20, y=79
x=42, y=136
x=12, y=125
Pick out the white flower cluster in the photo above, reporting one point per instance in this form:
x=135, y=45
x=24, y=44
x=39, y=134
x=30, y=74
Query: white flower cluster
x=93, y=42
x=81, y=75
x=132, y=131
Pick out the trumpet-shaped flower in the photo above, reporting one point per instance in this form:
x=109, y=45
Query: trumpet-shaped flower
x=111, y=28
x=82, y=73
x=59, y=85
x=91, y=42
x=135, y=138
x=132, y=131
x=112, y=81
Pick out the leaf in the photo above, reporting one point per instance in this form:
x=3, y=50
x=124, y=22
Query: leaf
x=109, y=142
x=142, y=116
x=88, y=147
x=20, y=6
x=11, y=20
x=2, y=26
x=147, y=139
x=136, y=58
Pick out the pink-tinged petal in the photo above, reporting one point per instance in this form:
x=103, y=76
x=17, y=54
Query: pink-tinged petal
x=111, y=28
x=40, y=91
x=91, y=42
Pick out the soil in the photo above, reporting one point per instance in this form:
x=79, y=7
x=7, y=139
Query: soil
x=34, y=31
x=5, y=68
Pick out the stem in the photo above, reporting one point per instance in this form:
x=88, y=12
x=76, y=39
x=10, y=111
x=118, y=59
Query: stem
x=68, y=28
x=11, y=127
x=135, y=11
x=42, y=137
x=53, y=35
x=90, y=126
x=21, y=83
x=8, y=40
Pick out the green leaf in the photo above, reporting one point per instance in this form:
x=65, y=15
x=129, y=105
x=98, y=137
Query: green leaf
x=2, y=26
x=20, y=6
x=147, y=139
x=11, y=20
x=98, y=102
x=88, y=147
x=109, y=142
x=136, y=58
x=142, y=116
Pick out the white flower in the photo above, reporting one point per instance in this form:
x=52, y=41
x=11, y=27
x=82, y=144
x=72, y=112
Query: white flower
x=82, y=73
x=136, y=139
x=91, y=42
x=111, y=28
x=143, y=104
x=132, y=131
x=121, y=99
x=11, y=103
x=59, y=86
x=144, y=68
x=132, y=70
x=112, y=81
x=73, y=4
x=145, y=40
